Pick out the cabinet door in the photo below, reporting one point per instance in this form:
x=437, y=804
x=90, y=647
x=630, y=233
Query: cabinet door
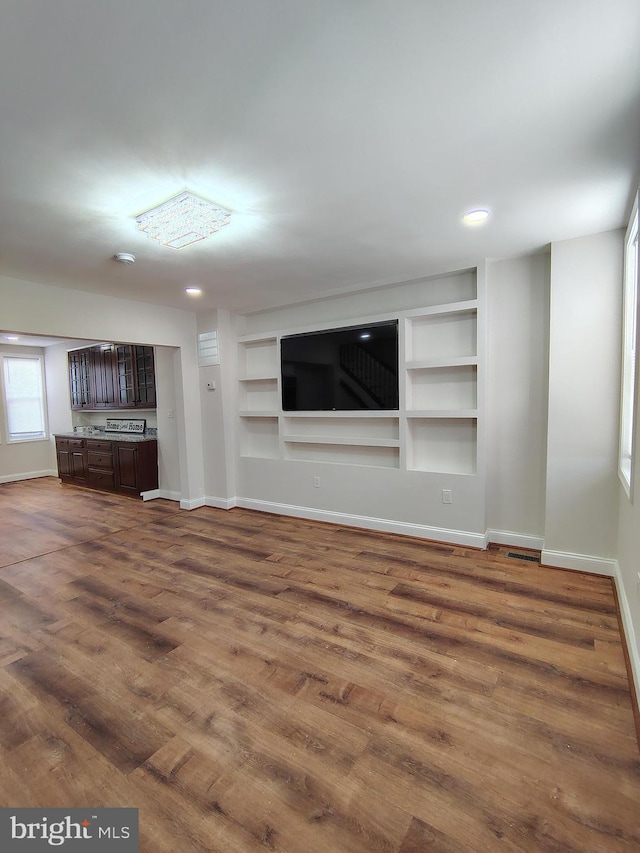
x=125, y=376
x=104, y=391
x=77, y=464
x=64, y=458
x=126, y=466
x=145, y=377
x=79, y=381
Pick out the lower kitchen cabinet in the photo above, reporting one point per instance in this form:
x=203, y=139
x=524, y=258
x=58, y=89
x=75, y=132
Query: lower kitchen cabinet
x=115, y=466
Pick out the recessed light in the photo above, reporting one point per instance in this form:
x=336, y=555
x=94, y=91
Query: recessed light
x=193, y=291
x=365, y=336
x=125, y=258
x=183, y=220
x=477, y=215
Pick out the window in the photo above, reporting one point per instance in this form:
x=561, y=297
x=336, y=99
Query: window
x=24, y=397
x=629, y=353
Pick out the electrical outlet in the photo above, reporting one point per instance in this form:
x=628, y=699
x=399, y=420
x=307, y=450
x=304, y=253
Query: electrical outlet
x=316, y=482
x=447, y=496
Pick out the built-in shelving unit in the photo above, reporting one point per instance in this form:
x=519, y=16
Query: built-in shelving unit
x=441, y=392
x=434, y=430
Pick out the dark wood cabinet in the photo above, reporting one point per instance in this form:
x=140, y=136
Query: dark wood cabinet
x=114, y=376
x=103, y=373
x=72, y=460
x=79, y=373
x=129, y=467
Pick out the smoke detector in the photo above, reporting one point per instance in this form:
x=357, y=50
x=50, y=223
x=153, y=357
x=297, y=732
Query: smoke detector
x=125, y=258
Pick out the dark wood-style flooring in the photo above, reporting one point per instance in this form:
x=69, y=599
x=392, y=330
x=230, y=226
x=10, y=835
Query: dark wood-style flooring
x=258, y=683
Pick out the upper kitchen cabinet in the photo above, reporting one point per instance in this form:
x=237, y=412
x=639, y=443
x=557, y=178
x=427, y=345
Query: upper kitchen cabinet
x=114, y=376
x=135, y=377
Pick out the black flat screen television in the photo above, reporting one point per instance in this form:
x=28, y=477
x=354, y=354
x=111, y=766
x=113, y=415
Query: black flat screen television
x=346, y=369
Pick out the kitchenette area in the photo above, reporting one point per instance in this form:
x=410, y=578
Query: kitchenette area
x=113, y=442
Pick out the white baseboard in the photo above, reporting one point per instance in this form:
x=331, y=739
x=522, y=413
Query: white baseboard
x=579, y=562
x=221, y=503
x=518, y=540
x=154, y=494
x=421, y=531
x=193, y=503
x=31, y=475
x=629, y=631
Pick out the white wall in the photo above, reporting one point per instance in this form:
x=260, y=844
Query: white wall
x=166, y=423
x=584, y=368
x=628, y=571
x=23, y=459
x=517, y=389
x=218, y=412
x=404, y=500
x=26, y=307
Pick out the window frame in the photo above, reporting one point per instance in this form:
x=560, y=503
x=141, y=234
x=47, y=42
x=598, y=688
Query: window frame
x=43, y=397
x=629, y=371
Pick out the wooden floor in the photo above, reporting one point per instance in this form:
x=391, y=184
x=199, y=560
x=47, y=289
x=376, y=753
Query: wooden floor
x=252, y=682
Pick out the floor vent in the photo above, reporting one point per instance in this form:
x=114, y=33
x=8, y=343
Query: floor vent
x=530, y=557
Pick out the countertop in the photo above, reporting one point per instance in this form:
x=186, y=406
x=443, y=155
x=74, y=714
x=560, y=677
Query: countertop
x=108, y=436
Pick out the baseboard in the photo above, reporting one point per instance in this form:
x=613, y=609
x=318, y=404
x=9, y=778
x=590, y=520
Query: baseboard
x=579, y=562
x=194, y=503
x=221, y=503
x=32, y=475
x=155, y=494
x=438, y=534
x=629, y=634
x=518, y=540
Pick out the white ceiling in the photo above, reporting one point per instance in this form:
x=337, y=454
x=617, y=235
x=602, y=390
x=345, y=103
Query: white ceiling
x=348, y=137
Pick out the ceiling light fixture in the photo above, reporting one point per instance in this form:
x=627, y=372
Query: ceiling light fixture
x=477, y=215
x=183, y=220
x=12, y=337
x=125, y=258
x=193, y=291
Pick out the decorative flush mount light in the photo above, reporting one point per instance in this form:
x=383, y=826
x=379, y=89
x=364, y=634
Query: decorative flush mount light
x=183, y=220
x=478, y=215
x=193, y=291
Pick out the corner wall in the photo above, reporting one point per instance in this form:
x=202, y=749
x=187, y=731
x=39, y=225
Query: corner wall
x=517, y=392
x=584, y=389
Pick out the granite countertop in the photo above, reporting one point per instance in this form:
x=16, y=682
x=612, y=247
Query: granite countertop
x=108, y=436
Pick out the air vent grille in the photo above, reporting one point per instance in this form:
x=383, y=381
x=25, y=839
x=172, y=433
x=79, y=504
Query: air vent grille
x=530, y=557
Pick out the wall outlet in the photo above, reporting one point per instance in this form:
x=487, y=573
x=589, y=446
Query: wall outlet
x=447, y=496
x=316, y=482
x=171, y=413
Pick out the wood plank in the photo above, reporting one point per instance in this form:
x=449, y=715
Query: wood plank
x=255, y=682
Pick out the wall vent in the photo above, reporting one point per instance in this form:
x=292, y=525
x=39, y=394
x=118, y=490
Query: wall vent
x=208, y=352
x=530, y=557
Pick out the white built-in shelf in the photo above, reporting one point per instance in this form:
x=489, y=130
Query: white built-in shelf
x=435, y=430
x=354, y=441
x=443, y=413
x=354, y=414
x=445, y=361
x=260, y=340
x=444, y=308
